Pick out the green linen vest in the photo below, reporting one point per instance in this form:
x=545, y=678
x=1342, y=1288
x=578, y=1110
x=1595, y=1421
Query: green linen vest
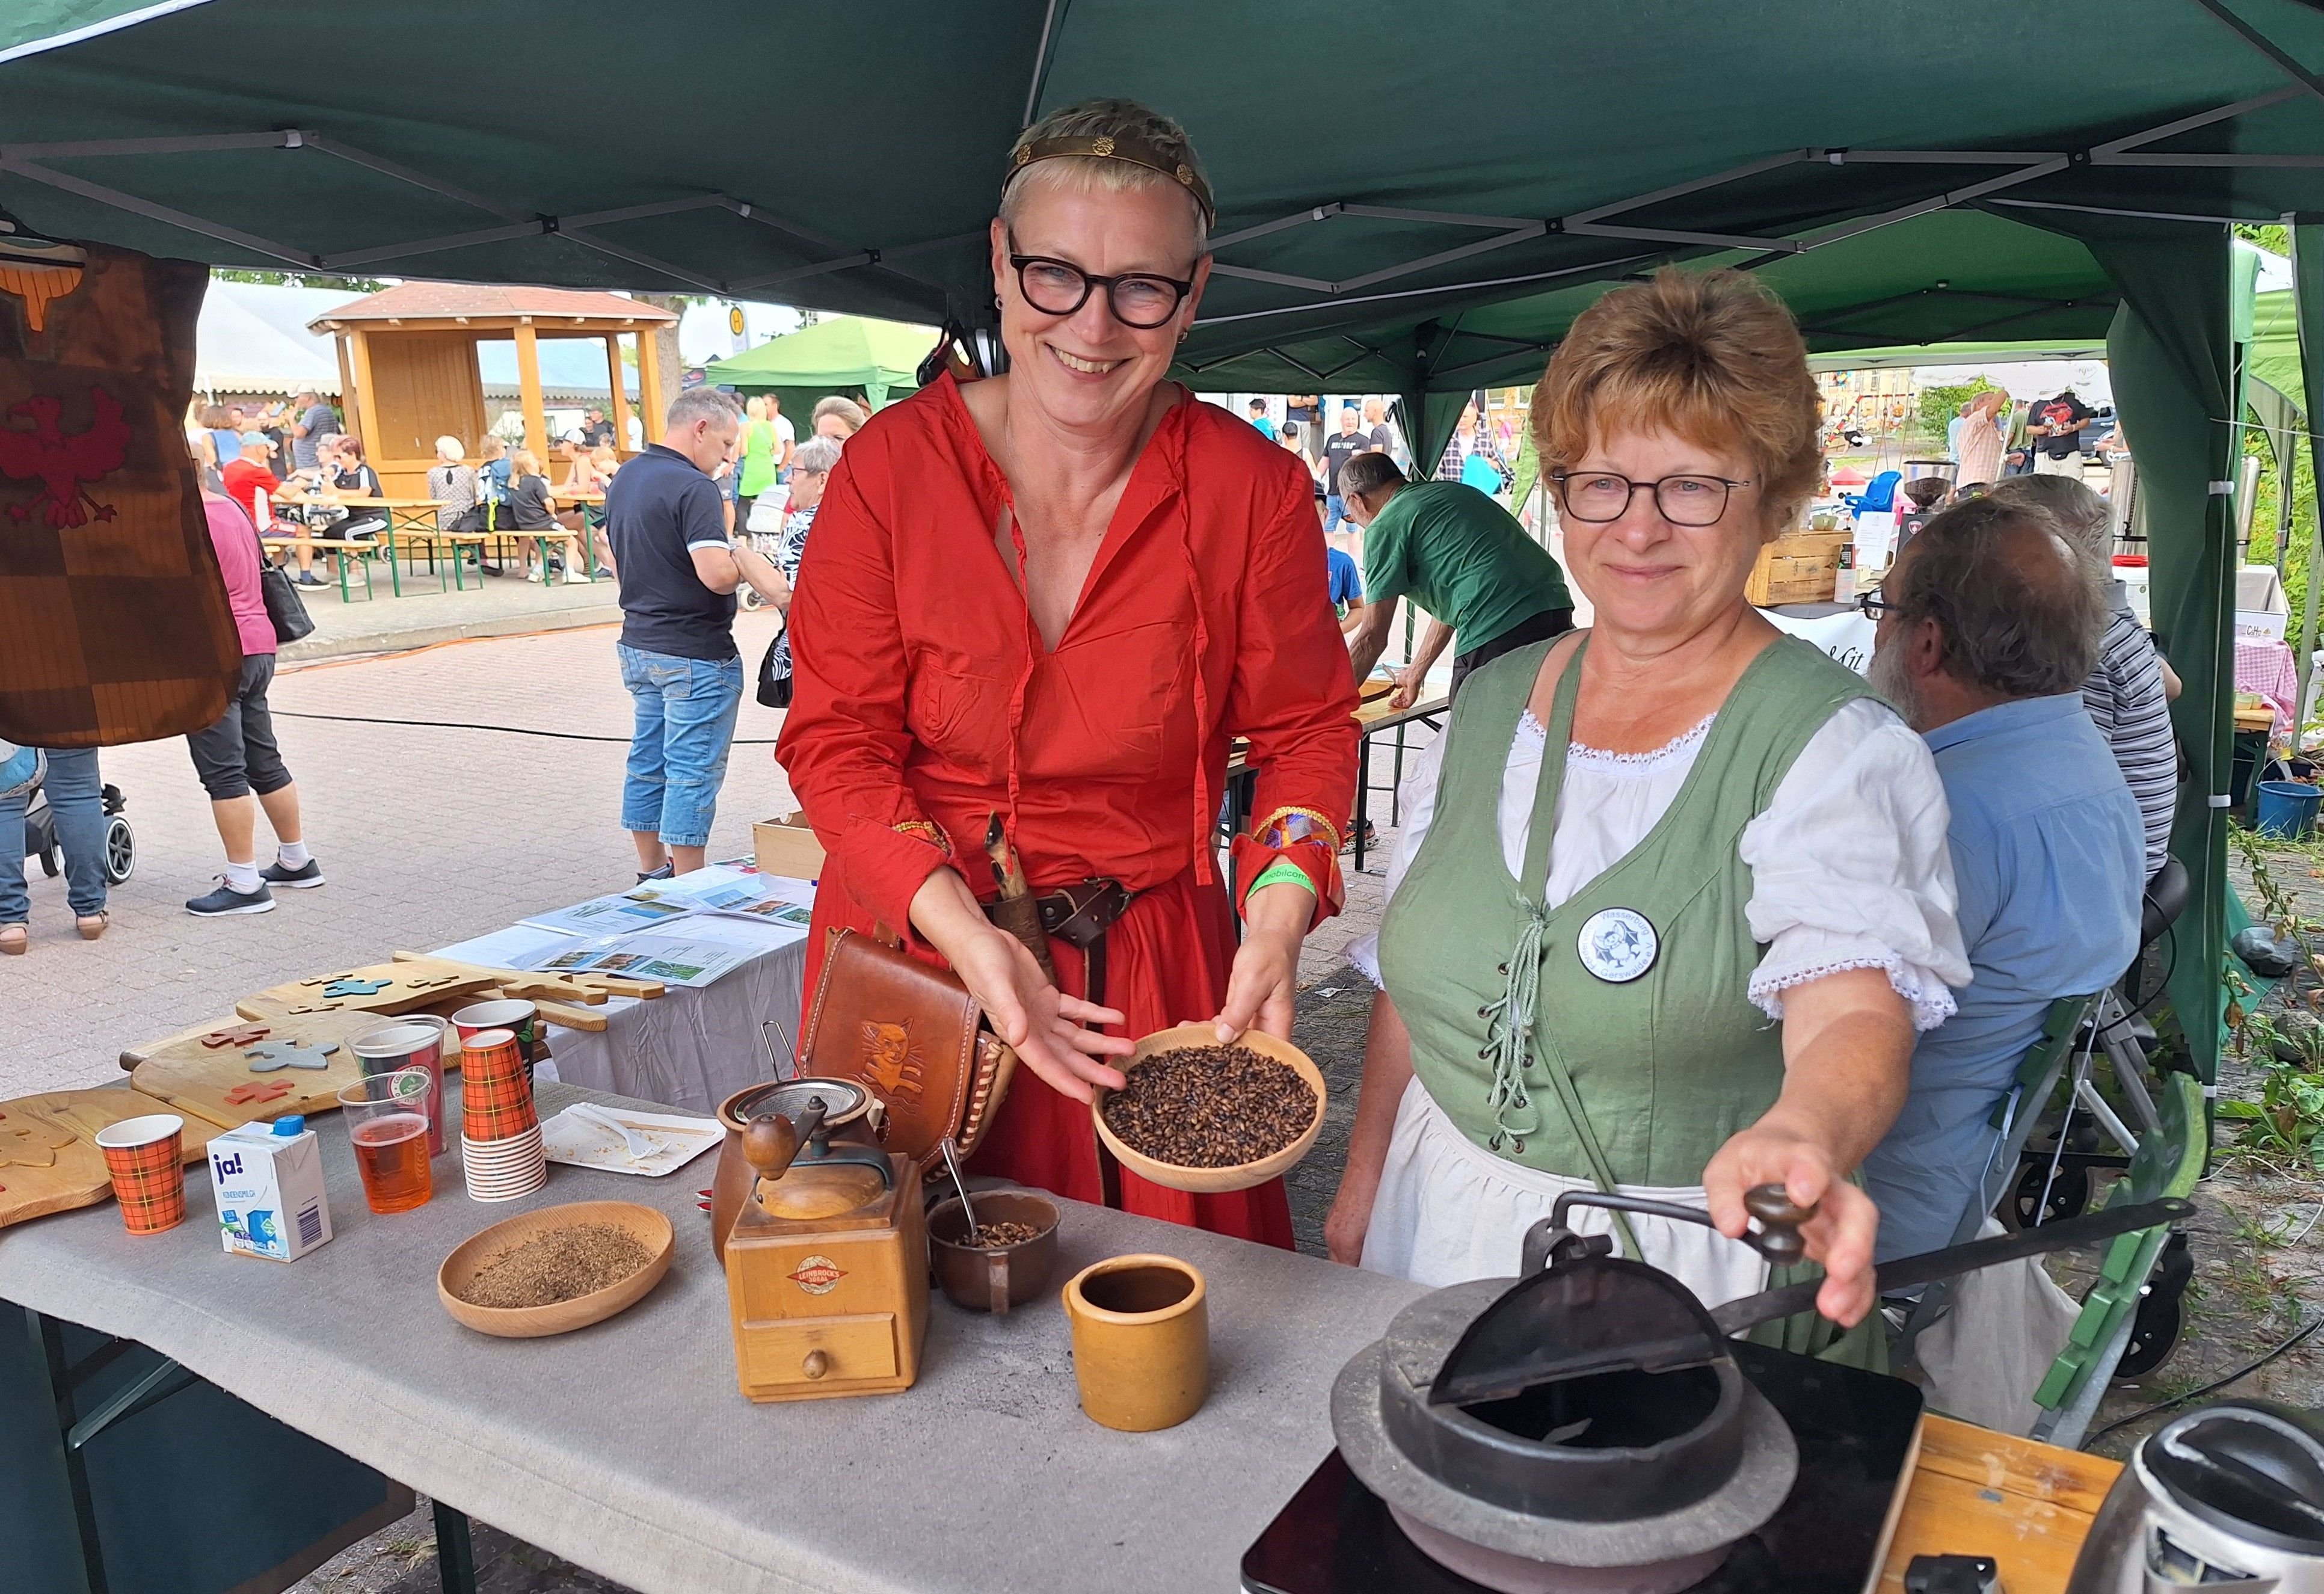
x=1492, y=984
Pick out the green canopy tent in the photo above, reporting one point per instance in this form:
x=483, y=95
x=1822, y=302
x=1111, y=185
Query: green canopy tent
x=868, y=359
x=1545, y=155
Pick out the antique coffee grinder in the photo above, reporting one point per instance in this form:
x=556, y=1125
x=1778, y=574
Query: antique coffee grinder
x=823, y=1241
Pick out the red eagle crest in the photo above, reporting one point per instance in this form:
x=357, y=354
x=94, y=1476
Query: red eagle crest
x=64, y=464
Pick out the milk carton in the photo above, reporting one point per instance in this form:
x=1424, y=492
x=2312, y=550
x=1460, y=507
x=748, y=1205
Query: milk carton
x=269, y=1183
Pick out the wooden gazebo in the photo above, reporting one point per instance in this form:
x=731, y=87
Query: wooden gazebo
x=408, y=364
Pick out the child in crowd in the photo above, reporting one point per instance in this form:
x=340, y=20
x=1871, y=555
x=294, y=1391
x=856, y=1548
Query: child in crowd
x=532, y=508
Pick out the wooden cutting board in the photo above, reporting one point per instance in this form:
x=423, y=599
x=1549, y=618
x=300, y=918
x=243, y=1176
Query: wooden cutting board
x=49, y=1158
x=199, y=1078
x=419, y=983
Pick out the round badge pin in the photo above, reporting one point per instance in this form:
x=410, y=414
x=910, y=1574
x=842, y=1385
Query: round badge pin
x=1617, y=945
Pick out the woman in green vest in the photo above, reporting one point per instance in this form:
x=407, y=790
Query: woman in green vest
x=1672, y=897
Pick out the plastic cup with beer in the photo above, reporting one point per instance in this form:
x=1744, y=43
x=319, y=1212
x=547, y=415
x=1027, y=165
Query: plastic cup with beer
x=387, y=1121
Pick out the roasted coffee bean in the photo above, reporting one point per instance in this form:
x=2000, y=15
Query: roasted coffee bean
x=992, y=1237
x=1211, y=1107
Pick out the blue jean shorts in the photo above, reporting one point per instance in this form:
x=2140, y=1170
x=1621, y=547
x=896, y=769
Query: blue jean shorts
x=685, y=724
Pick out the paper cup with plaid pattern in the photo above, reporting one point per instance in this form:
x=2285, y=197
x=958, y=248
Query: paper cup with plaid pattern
x=495, y=1095
x=147, y=1160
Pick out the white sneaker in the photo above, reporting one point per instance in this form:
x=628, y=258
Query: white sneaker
x=533, y=575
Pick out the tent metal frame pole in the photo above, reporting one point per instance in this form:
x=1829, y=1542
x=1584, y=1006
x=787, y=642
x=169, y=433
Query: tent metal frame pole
x=162, y=213
x=2267, y=46
x=401, y=174
x=1041, y=61
x=2210, y=221
x=1517, y=281
x=638, y=257
x=2131, y=140
x=192, y=144
x=1591, y=222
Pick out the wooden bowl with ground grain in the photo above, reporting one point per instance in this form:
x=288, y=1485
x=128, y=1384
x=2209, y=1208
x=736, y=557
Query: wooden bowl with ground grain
x=456, y=1278
x=1211, y=1181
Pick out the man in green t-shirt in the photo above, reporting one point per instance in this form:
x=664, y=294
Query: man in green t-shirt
x=1456, y=554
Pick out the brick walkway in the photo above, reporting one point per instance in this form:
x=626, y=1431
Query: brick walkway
x=427, y=833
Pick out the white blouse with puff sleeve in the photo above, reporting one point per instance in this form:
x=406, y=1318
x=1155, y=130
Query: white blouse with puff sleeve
x=1849, y=866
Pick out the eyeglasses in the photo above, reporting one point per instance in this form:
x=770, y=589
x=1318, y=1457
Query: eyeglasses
x=1597, y=497
x=1873, y=605
x=1138, y=299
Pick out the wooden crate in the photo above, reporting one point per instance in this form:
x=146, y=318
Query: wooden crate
x=1797, y=568
x=786, y=846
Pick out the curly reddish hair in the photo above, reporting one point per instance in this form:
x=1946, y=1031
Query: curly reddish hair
x=1711, y=356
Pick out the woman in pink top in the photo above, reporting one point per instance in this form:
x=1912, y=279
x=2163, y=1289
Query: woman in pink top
x=237, y=760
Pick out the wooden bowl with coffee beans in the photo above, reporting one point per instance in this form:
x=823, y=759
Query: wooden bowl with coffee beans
x=1206, y=1118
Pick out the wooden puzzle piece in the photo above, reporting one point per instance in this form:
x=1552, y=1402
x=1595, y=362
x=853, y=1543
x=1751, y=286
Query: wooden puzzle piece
x=349, y=987
x=430, y=979
x=29, y=1141
x=327, y=979
x=314, y=1008
x=253, y=1093
x=240, y=1035
x=271, y=1055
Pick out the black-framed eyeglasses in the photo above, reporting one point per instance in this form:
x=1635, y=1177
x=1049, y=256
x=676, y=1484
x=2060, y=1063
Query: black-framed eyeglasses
x=1139, y=299
x=1598, y=496
x=1873, y=605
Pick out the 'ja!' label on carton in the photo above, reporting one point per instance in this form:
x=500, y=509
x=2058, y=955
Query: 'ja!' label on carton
x=269, y=1183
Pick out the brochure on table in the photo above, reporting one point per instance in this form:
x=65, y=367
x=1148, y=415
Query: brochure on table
x=688, y=931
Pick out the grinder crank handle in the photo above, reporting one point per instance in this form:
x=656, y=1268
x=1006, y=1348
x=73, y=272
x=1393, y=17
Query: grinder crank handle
x=1906, y=1271
x=1777, y=1238
x=771, y=1142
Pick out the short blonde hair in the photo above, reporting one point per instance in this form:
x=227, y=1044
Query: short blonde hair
x=451, y=450
x=525, y=462
x=1711, y=357
x=1106, y=118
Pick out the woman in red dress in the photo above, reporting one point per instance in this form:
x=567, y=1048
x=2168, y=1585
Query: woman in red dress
x=1057, y=595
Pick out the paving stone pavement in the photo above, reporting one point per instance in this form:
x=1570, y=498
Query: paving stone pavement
x=427, y=834
x=499, y=605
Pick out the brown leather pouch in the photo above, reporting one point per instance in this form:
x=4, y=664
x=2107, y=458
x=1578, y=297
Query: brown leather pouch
x=912, y=1035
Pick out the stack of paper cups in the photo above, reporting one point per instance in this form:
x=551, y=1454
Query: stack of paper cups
x=500, y=1132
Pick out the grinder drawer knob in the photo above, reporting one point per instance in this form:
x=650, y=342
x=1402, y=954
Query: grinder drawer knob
x=1780, y=1217
x=816, y=1365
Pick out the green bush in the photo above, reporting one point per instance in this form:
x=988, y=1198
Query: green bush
x=1938, y=405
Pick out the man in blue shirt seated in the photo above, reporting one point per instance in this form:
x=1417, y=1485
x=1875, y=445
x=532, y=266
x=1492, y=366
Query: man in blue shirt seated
x=1991, y=624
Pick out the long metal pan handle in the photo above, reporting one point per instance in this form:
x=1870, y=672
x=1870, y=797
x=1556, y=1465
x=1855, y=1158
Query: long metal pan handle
x=1904, y=1273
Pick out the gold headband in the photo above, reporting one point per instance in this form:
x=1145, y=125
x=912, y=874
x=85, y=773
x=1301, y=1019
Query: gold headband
x=1106, y=147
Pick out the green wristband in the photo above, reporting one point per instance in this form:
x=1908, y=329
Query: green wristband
x=1281, y=872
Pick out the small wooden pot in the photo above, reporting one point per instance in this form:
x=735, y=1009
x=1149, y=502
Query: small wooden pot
x=1211, y=1181
x=994, y=1279
x=1142, y=1331
x=530, y=1322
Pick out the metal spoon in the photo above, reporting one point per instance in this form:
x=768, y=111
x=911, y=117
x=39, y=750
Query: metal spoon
x=951, y=1166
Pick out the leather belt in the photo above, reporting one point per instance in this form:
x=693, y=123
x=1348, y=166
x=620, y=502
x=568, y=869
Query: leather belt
x=1080, y=915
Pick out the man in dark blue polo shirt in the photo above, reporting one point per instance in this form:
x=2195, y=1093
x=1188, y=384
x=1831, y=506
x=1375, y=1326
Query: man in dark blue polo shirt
x=666, y=530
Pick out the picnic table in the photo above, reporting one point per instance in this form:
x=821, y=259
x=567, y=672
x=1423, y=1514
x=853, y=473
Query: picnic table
x=413, y=519
x=1374, y=717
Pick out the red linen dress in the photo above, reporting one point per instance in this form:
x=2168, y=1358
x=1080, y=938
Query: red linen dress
x=925, y=700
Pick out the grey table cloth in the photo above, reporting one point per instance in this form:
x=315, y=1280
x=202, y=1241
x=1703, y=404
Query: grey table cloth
x=691, y=1048
x=627, y=1447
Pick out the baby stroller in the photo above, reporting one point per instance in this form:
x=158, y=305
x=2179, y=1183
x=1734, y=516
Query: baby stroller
x=120, y=840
